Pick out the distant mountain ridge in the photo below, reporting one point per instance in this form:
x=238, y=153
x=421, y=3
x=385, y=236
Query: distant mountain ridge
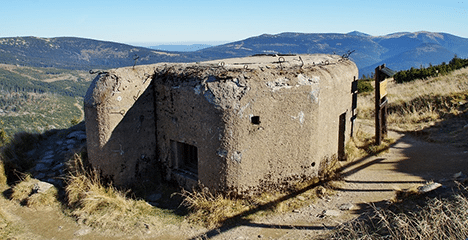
x=398, y=50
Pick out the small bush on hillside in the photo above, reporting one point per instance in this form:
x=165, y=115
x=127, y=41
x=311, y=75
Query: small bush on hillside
x=431, y=71
x=364, y=86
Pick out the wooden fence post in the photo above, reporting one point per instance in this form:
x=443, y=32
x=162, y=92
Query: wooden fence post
x=380, y=104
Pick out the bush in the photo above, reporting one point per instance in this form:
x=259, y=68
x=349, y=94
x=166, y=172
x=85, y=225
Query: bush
x=364, y=86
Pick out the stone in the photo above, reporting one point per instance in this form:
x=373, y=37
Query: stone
x=46, y=161
x=79, y=135
x=58, y=167
x=40, y=176
x=458, y=175
x=82, y=232
x=331, y=213
x=41, y=167
x=346, y=206
x=55, y=182
x=42, y=187
x=301, y=198
x=429, y=187
x=154, y=197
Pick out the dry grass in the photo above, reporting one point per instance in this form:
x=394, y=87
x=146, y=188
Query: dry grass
x=97, y=205
x=421, y=103
x=363, y=144
x=24, y=192
x=431, y=218
x=213, y=209
x=3, y=176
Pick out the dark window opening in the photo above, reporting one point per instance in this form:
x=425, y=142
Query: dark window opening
x=185, y=156
x=255, y=120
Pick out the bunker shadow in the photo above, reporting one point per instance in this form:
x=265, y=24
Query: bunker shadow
x=241, y=220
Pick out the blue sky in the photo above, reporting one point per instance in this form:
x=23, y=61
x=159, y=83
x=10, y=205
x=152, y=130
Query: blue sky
x=145, y=22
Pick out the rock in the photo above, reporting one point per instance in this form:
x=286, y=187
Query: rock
x=429, y=187
x=40, y=176
x=49, y=154
x=55, y=182
x=296, y=211
x=82, y=232
x=346, y=206
x=330, y=213
x=58, y=167
x=301, y=198
x=46, y=161
x=79, y=135
x=42, y=187
x=458, y=175
x=41, y=167
x=154, y=197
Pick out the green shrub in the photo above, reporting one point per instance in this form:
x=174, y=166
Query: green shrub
x=364, y=86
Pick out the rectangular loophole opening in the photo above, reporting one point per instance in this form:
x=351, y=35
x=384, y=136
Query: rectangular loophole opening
x=255, y=120
x=184, y=157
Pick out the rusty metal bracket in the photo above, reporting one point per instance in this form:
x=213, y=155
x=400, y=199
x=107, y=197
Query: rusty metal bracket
x=135, y=57
x=279, y=61
x=148, y=76
x=121, y=112
x=346, y=55
x=98, y=72
x=302, y=62
x=137, y=95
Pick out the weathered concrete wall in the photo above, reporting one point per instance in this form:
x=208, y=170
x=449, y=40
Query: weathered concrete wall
x=252, y=123
x=120, y=120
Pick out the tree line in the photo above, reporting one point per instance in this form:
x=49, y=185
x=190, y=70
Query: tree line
x=431, y=71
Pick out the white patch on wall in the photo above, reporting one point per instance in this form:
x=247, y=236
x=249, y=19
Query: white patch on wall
x=305, y=80
x=222, y=153
x=237, y=156
x=279, y=84
x=300, y=116
x=314, y=95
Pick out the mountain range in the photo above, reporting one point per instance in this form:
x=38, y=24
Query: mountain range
x=398, y=51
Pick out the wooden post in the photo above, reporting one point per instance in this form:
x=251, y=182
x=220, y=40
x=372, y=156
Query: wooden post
x=380, y=105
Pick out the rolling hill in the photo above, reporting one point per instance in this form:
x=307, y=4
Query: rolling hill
x=398, y=50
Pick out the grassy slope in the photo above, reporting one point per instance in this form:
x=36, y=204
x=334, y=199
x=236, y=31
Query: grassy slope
x=38, y=99
x=422, y=104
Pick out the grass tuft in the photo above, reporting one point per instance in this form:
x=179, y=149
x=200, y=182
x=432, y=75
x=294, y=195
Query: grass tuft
x=25, y=193
x=104, y=206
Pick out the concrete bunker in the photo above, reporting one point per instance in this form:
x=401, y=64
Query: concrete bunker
x=244, y=124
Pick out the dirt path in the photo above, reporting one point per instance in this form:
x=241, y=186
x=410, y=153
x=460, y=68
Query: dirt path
x=80, y=107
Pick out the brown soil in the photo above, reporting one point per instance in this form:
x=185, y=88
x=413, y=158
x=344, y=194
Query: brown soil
x=372, y=181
